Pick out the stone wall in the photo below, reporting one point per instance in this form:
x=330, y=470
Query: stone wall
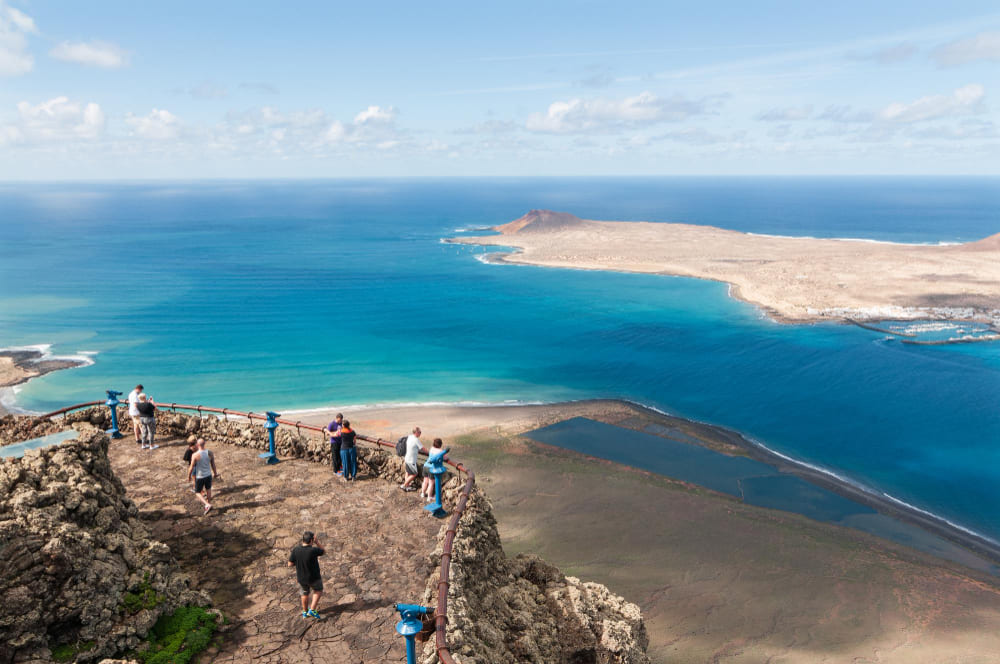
x=71, y=547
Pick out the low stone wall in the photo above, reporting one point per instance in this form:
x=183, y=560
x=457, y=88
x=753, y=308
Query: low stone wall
x=72, y=547
x=288, y=442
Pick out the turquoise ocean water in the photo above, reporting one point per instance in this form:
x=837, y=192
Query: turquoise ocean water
x=296, y=295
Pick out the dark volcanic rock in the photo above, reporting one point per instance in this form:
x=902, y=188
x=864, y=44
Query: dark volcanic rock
x=71, y=547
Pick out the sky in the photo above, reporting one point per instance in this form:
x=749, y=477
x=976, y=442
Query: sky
x=132, y=90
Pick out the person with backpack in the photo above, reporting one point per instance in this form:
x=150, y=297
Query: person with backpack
x=348, y=452
x=333, y=433
x=410, y=460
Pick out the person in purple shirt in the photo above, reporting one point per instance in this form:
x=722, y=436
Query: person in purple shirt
x=333, y=433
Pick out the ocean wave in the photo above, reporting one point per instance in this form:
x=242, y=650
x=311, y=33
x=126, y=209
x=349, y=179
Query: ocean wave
x=941, y=243
x=843, y=479
x=421, y=404
x=84, y=357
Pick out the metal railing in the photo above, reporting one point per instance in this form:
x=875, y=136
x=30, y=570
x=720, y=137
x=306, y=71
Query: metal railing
x=441, y=610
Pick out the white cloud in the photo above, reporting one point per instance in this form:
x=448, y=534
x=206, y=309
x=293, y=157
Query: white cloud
x=21, y=21
x=984, y=46
x=159, y=125
x=94, y=54
x=605, y=115
x=375, y=114
x=966, y=100
x=786, y=114
x=268, y=130
x=889, y=55
x=14, y=28
x=57, y=119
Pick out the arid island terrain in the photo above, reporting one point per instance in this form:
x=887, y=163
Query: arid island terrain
x=793, y=279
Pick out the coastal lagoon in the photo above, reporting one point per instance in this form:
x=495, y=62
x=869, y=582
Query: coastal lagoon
x=298, y=295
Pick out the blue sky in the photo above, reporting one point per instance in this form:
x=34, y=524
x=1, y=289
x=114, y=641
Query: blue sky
x=108, y=90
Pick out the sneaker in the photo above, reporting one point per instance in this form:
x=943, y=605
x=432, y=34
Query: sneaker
x=154, y=447
x=313, y=614
x=207, y=508
x=410, y=488
x=340, y=473
x=305, y=614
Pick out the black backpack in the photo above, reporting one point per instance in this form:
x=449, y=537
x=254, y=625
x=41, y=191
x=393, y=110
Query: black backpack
x=401, y=446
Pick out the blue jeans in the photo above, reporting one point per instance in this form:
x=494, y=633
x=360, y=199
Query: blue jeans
x=349, y=459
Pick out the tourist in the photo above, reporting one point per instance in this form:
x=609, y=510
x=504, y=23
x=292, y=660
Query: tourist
x=436, y=452
x=333, y=433
x=192, y=447
x=304, y=558
x=147, y=421
x=348, y=451
x=413, y=449
x=133, y=412
x=202, y=469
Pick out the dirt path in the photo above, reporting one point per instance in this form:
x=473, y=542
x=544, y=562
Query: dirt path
x=378, y=542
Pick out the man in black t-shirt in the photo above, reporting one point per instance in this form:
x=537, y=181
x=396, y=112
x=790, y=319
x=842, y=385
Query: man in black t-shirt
x=305, y=559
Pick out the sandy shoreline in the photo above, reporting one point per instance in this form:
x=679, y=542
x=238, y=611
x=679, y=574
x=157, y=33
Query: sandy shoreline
x=19, y=366
x=451, y=422
x=792, y=279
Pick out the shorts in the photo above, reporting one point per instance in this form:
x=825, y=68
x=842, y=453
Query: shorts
x=202, y=483
x=426, y=471
x=316, y=585
x=410, y=470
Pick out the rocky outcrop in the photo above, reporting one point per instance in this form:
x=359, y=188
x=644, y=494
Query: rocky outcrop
x=511, y=611
x=538, y=221
x=77, y=566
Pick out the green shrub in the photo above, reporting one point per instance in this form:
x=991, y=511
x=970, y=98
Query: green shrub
x=178, y=637
x=68, y=651
x=144, y=597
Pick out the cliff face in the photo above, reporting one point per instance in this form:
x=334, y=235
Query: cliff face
x=511, y=611
x=72, y=549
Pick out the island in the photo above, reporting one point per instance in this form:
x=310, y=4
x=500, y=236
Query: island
x=793, y=279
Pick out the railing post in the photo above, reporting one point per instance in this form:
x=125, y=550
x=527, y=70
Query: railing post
x=437, y=469
x=112, y=403
x=270, y=457
x=409, y=626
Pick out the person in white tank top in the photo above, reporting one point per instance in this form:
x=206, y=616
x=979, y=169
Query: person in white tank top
x=202, y=469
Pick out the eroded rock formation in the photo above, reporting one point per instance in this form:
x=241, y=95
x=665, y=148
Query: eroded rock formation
x=77, y=566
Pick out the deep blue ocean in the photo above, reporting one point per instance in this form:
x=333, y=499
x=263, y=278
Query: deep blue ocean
x=295, y=295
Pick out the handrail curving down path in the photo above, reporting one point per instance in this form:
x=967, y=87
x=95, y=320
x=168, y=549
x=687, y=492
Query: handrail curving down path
x=441, y=610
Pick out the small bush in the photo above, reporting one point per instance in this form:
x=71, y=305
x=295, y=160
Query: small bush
x=68, y=651
x=178, y=637
x=144, y=597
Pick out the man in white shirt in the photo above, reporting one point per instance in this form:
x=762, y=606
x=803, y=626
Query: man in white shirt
x=413, y=448
x=133, y=412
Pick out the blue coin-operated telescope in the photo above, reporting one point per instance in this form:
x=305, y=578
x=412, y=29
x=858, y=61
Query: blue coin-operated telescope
x=410, y=626
x=113, y=403
x=270, y=457
x=435, y=466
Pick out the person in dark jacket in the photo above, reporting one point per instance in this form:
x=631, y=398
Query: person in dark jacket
x=333, y=432
x=147, y=421
x=348, y=451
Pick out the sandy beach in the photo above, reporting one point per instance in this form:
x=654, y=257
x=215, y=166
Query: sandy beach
x=713, y=575
x=793, y=279
x=20, y=366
